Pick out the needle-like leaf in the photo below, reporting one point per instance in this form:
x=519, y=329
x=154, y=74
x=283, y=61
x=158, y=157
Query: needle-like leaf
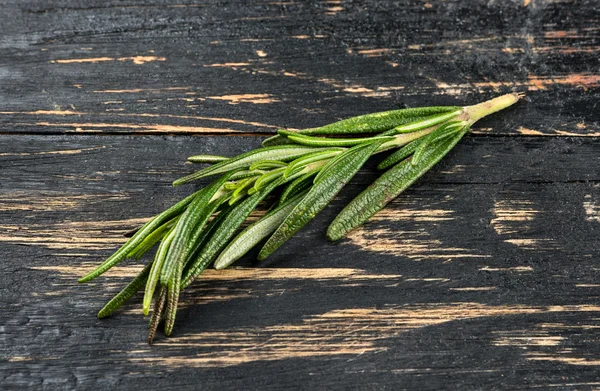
x=136, y=239
x=369, y=123
x=267, y=165
x=330, y=142
x=153, y=278
x=298, y=185
x=225, y=231
x=399, y=155
x=149, y=242
x=427, y=122
x=127, y=293
x=387, y=187
x=189, y=227
x=338, y=172
x=207, y=159
x=157, y=313
x=446, y=130
x=255, y=233
x=281, y=152
x=310, y=158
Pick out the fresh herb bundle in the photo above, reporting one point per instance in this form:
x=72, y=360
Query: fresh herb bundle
x=311, y=168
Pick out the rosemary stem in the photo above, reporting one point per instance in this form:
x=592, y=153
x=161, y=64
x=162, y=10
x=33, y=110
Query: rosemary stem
x=405, y=138
x=470, y=114
x=474, y=113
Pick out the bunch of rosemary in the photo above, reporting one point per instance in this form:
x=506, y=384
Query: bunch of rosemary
x=311, y=168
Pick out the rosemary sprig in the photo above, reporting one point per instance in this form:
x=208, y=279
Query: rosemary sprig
x=311, y=168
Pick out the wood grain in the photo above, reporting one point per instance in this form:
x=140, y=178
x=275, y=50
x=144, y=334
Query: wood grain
x=488, y=256
x=215, y=67
x=481, y=276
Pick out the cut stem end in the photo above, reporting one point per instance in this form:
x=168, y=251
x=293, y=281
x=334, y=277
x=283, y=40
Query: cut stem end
x=474, y=113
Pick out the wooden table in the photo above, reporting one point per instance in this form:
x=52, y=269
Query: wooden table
x=484, y=275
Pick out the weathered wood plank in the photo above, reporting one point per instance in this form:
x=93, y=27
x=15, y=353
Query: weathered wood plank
x=172, y=67
x=485, y=270
x=482, y=276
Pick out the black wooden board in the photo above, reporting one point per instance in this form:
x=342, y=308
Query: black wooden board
x=483, y=275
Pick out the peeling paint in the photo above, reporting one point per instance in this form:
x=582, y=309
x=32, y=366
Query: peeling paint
x=237, y=273
x=580, y=361
x=517, y=269
x=138, y=60
x=71, y=235
x=246, y=98
x=138, y=90
x=591, y=206
x=52, y=201
x=59, y=152
x=529, y=132
x=148, y=115
x=414, y=242
x=228, y=65
x=533, y=83
x=351, y=332
x=86, y=127
x=512, y=216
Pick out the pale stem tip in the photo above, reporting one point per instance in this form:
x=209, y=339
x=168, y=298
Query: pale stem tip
x=474, y=113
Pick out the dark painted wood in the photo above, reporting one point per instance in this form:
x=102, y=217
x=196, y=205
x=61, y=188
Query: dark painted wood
x=482, y=276
x=214, y=67
x=485, y=270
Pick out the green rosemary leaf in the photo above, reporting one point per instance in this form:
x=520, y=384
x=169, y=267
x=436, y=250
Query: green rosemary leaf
x=173, y=290
x=267, y=178
x=208, y=232
x=229, y=186
x=427, y=122
x=207, y=159
x=149, y=242
x=296, y=171
x=238, y=193
x=174, y=285
x=332, y=165
x=368, y=123
x=310, y=158
x=256, y=232
x=387, y=187
x=139, y=236
x=448, y=131
x=443, y=131
x=298, y=185
x=337, y=174
x=403, y=139
x=189, y=227
x=331, y=142
x=267, y=165
x=225, y=231
x=276, y=140
x=157, y=313
x=127, y=293
x=239, y=196
x=400, y=154
x=379, y=122
x=282, y=152
x=243, y=174
x=153, y=278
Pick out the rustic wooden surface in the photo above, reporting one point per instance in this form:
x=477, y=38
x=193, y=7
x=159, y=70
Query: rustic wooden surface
x=484, y=275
